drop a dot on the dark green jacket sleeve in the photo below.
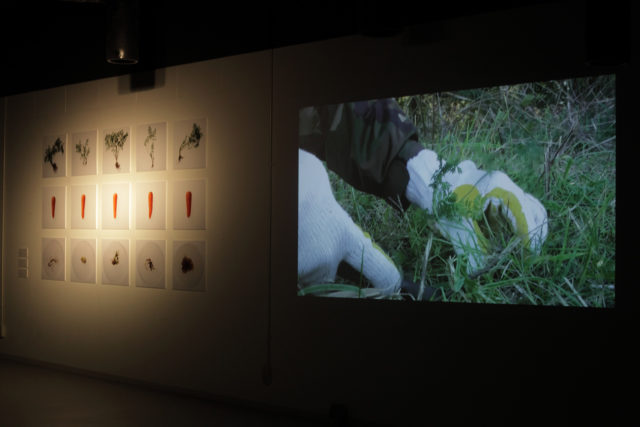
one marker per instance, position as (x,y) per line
(366,143)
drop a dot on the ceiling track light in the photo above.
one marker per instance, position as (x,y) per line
(123,31)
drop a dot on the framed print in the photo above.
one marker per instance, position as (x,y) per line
(53,259)
(54,159)
(189,265)
(189,144)
(151,147)
(150,264)
(189,205)
(116,151)
(151,199)
(83,207)
(83,260)
(115,206)
(53,207)
(83,153)
(115,262)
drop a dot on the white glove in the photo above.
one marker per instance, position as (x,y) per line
(526,215)
(327,235)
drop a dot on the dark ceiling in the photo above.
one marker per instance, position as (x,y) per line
(56,42)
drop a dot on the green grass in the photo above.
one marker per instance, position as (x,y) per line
(555,140)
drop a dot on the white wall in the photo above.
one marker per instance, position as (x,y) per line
(212,341)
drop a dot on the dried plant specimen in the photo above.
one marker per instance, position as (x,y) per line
(115,142)
(84,150)
(52,262)
(149,144)
(83,259)
(116,259)
(191,141)
(57,147)
(186,265)
(148,264)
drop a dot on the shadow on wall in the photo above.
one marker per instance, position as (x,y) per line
(141,80)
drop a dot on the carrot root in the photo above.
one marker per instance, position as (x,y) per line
(189,204)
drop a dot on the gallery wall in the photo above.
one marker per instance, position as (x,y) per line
(458,364)
(209,339)
(247,336)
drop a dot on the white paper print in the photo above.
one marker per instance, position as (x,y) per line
(189,144)
(188,265)
(53,207)
(151,147)
(115,206)
(54,156)
(151,200)
(83,260)
(150,264)
(115,262)
(116,146)
(189,203)
(83,207)
(84,153)
(53,259)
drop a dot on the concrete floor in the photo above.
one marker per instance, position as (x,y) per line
(40,396)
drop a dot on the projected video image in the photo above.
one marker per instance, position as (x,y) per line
(499,195)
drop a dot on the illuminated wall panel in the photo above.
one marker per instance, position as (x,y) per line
(106,291)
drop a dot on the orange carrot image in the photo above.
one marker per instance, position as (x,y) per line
(150,203)
(115,204)
(53,206)
(188,204)
(82,200)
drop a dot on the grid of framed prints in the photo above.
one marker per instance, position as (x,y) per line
(82,194)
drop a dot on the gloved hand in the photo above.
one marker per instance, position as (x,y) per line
(327,235)
(500,199)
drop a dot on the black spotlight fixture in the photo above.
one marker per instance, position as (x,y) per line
(123,32)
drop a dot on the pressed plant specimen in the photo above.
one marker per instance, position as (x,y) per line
(149,144)
(115,141)
(116,259)
(84,150)
(190,141)
(148,263)
(150,200)
(57,147)
(186,265)
(53,207)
